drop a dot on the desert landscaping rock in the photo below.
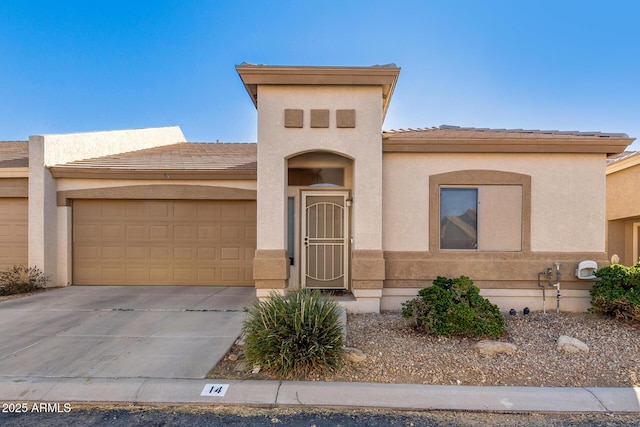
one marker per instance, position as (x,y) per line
(571,345)
(240,366)
(397,353)
(354,355)
(491,348)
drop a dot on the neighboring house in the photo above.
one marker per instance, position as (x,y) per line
(623,207)
(14,170)
(325,199)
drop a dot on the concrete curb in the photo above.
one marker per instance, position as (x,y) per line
(322,394)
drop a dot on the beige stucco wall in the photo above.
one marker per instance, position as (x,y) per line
(568,197)
(623,197)
(49,225)
(277,143)
(64,148)
(42,212)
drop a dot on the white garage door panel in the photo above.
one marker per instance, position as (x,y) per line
(14,215)
(141,242)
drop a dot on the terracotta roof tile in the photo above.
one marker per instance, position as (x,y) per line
(14,154)
(186,156)
(449,132)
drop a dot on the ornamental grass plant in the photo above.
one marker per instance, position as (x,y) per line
(294,335)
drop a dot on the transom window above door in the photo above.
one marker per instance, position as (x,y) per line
(316,176)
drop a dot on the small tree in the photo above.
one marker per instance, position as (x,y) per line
(454,307)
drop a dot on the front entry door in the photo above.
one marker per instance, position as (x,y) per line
(325,233)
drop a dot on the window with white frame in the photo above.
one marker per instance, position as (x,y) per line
(481,218)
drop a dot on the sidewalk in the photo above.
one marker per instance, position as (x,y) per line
(322,394)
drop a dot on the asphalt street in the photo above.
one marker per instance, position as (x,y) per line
(210,416)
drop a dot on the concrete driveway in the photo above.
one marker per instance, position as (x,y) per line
(120,331)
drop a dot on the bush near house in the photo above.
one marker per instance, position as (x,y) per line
(294,335)
(21,280)
(454,307)
(617,292)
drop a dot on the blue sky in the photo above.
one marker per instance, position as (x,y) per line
(76,66)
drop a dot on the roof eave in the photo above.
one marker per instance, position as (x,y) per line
(581,145)
(19,172)
(385,76)
(623,164)
(153,174)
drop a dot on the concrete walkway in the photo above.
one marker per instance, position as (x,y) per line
(151,345)
(321,394)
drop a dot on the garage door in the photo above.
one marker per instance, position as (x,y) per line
(160,242)
(13,232)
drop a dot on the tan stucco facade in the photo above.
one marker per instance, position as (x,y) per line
(623,210)
(389,184)
(406,196)
(304,112)
(362,145)
(412,253)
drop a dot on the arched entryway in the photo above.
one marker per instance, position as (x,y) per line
(319,200)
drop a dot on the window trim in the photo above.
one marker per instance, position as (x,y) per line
(477,178)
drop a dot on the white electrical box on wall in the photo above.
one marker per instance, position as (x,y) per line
(586,269)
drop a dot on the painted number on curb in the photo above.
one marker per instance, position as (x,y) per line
(214,390)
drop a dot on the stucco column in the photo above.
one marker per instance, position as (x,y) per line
(42,213)
(64,272)
(271,261)
(367,257)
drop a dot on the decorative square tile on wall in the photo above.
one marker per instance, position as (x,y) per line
(345,118)
(293,118)
(319,118)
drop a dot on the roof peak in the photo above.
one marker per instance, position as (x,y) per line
(384,76)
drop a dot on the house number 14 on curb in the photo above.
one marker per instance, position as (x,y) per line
(214,390)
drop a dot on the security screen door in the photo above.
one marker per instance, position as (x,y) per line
(325,231)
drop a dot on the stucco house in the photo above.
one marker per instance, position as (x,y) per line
(623,207)
(325,199)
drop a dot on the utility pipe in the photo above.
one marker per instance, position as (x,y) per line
(557,286)
(540,285)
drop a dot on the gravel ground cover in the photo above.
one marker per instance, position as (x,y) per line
(396,353)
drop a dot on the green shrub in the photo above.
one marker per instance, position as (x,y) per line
(617,291)
(294,335)
(454,307)
(21,280)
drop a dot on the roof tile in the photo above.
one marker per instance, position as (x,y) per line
(181,156)
(448,131)
(14,154)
